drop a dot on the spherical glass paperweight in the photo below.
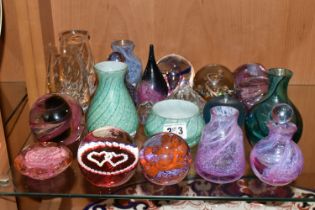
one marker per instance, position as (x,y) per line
(175,68)
(108,157)
(251,83)
(57,118)
(43,160)
(165,159)
(213,80)
(277,160)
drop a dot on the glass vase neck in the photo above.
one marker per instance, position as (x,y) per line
(111,67)
(279,80)
(152,70)
(286,130)
(74,37)
(127,45)
(224,113)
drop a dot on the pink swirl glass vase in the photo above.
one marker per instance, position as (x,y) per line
(220,157)
(277,160)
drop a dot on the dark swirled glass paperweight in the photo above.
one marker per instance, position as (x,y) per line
(57,118)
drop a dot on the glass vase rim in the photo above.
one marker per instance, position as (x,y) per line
(159,105)
(110,66)
(72,32)
(124,43)
(233,112)
(280,72)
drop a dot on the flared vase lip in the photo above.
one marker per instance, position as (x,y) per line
(110,66)
(125,43)
(280,72)
(72,32)
(224,112)
(175,109)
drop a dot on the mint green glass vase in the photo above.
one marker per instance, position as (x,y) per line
(260,114)
(112,104)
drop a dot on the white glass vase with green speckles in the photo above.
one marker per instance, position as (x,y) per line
(112,105)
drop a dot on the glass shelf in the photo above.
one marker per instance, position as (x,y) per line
(72,184)
(12,96)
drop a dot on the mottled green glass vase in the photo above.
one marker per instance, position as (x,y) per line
(260,114)
(112,105)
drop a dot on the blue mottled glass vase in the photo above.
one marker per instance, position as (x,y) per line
(126,47)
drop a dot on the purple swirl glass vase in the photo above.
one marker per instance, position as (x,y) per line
(220,156)
(277,160)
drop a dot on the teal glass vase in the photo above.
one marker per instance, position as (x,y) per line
(260,114)
(112,104)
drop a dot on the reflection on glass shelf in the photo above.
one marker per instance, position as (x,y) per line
(12,95)
(71,183)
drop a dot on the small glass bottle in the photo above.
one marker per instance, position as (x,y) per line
(277,160)
(221,157)
(151,89)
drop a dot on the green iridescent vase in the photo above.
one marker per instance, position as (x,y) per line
(112,105)
(260,114)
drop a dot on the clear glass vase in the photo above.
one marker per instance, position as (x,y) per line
(70,71)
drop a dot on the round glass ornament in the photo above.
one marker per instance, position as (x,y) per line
(57,118)
(165,159)
(43,160)
(108,157)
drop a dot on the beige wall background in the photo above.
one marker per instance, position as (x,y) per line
(275,33)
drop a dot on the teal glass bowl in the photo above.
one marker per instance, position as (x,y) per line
(176,116)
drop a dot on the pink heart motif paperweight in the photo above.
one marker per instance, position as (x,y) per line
(108,157)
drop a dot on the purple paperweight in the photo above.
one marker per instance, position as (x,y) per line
(165,159)
(277,160)
(43,160)
(220,156)
(56,118)
(250,83)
